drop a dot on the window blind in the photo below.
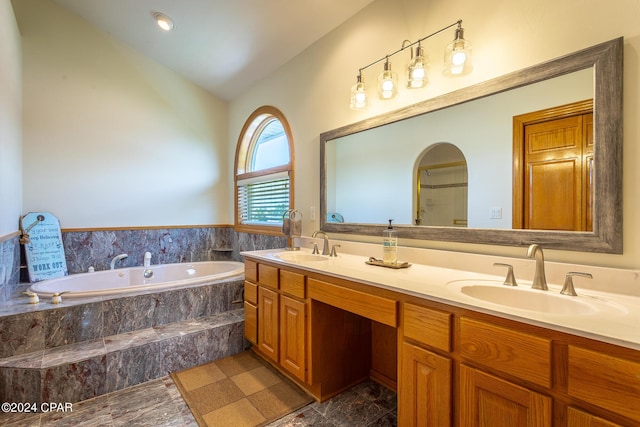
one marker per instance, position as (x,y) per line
(263,200)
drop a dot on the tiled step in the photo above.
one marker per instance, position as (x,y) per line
(92,368)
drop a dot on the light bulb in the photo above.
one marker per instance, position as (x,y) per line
(163,21)
(457,55)
(358,95)
(387,82)
(418,70)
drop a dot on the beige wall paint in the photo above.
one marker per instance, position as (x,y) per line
(10,122)
(111,138)
(312,90)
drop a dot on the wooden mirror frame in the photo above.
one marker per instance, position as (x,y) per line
(606,59)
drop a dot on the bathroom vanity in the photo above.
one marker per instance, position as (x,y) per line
(329,323)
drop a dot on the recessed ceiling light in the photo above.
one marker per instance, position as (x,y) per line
(163,21)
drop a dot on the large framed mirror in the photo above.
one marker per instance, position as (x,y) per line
(375,169)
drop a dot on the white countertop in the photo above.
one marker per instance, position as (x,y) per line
(611,317)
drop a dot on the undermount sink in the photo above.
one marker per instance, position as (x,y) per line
(525,298)
(300,257)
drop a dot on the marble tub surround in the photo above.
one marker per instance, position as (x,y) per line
(25,328)
(81,349)
(87,369)
(96,248)
(613,293)
(9,266)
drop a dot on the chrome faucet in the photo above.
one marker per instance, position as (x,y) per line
(539,279)
(147,259)
(325,247)
(116,259)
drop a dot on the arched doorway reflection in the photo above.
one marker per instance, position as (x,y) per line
(442,187)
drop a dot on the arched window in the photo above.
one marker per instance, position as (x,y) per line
(263,172)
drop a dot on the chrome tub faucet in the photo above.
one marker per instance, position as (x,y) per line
(116,259)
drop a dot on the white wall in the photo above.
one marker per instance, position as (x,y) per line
(10,122)
(312,90)
(111,138)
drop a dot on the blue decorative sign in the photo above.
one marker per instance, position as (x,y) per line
(42,241)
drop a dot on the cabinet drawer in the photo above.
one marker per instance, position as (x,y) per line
(250,292)
(268,276)
(251,270)
(428,326)
(522,355)
(607,381)
(372,307)
(293,284)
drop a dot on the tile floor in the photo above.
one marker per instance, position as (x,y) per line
(158,403)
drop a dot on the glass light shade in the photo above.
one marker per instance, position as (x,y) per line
(418,70)
(358,95)
(457,56)
(387,83)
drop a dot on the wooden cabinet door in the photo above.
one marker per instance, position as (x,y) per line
(268,323)
(251,322)
(553,168)
(488,401)
(578,418)
(293,337)
(424,393)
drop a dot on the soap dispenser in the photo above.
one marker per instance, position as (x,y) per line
(390,245)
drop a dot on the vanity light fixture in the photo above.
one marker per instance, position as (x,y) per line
(457,55)
(163,21)
(358,94)
(457,63)
(387,82)
(417,69)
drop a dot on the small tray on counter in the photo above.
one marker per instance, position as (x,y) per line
(380,263)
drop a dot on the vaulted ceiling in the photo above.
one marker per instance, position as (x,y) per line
(223,46)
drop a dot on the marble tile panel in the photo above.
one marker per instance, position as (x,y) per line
(22,333)
(20,385)
(25,361)
(176,305)
(75,381)
(131,339)
(184,351)
(71,324)
(73,353)
(16,419)
(178,401)
(306,416)
(171,245)
(95,412)
(350,408)
(226,341)
(146,405)
(223,295)
(9,266)
(195,325)
(125,367)
(129,313)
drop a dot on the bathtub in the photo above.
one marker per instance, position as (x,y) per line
(132,279)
